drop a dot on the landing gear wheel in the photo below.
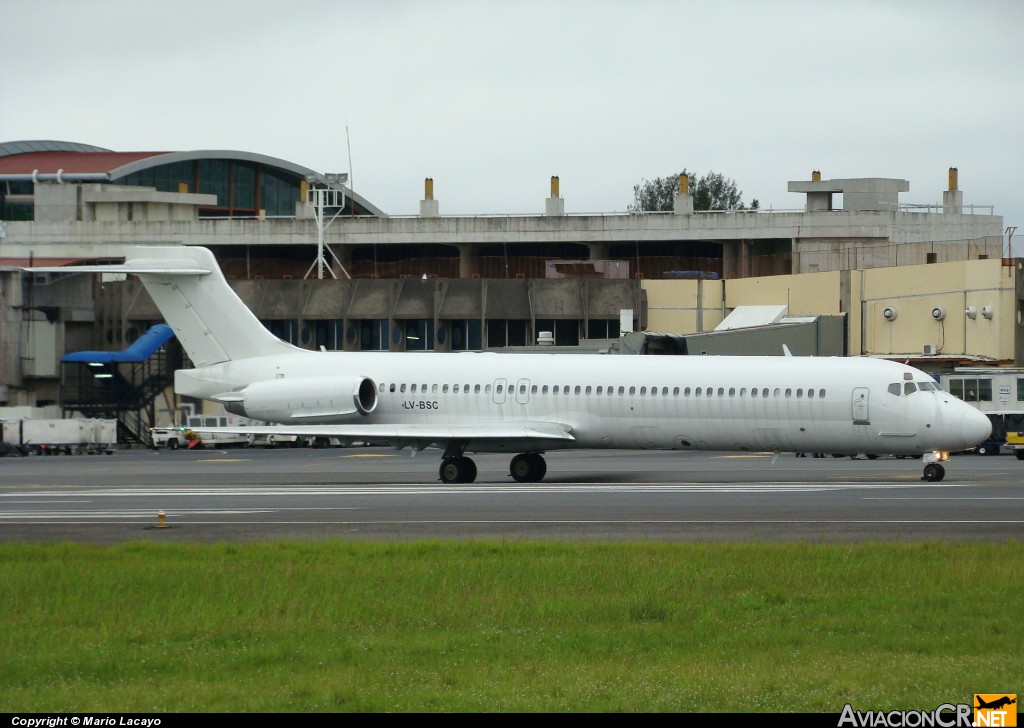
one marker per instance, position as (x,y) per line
(933,472)
(528,467)
(457,470)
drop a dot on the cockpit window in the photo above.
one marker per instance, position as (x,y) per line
(928,387)
(909,388)
(894,388)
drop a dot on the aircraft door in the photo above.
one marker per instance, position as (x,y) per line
(523,391)
(499,391)
(860,406)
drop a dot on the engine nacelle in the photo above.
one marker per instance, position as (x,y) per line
(303,400)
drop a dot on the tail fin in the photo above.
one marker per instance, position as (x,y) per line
(209,319)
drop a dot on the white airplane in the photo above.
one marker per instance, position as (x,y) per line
(528,404)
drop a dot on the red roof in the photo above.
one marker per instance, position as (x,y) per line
(70,162)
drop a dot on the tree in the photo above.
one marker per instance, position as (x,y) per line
(713,191)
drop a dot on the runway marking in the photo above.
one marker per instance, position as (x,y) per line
(948,497)
(497,489)
(49,502)
(556,522)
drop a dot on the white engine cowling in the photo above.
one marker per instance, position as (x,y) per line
(309,400)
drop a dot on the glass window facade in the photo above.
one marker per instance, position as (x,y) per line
(242,188)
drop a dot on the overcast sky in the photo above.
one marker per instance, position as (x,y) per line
(490,99)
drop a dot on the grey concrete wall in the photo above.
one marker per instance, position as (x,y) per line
(123,305)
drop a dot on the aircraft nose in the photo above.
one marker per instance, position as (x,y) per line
(976,428)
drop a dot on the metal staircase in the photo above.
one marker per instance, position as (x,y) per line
(122,385)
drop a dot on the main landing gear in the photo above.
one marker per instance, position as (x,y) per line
(527,467)
(457,469)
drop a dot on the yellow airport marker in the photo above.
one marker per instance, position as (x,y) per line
(160,518)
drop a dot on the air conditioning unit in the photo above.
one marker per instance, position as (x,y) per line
(929,349)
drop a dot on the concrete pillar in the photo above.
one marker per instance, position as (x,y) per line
(469,260)
(598,251)
(344,255)
(730,255)
(428,205)
(554,205)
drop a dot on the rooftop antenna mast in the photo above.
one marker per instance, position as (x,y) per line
(330,194)
(351,176)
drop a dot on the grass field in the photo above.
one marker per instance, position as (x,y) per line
(500,626)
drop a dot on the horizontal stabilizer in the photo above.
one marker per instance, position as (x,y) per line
(134,267)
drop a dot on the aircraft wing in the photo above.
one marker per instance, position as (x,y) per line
(417,437)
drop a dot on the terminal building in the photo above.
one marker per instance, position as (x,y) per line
(854,270)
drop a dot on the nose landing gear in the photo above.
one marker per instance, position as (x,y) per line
(933,470)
